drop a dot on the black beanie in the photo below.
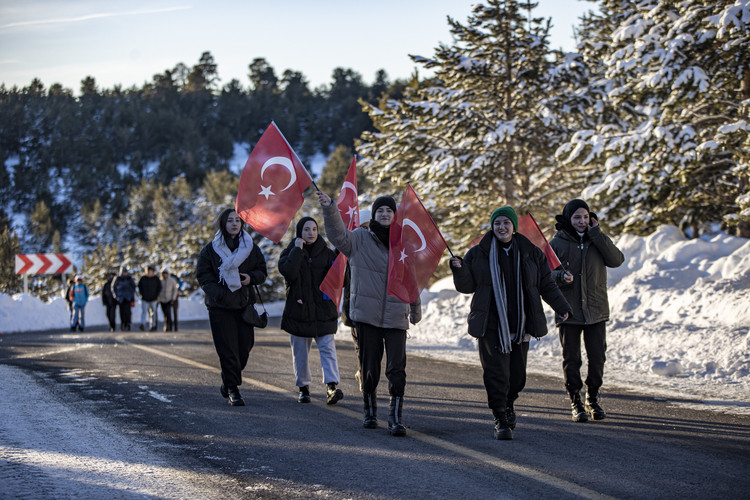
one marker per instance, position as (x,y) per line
(383,200)
(571,208)
(301,225)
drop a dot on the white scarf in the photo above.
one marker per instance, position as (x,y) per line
(229,271)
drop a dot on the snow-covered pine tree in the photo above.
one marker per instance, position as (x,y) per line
(481,133)
(667,76)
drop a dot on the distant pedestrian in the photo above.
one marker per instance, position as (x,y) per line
(80,298)
(109,301)
(124,292)
(149,287)
(381,320)
(308,313)
(227,269)
(509,276)
(167,298)
(585,253)
(69,298)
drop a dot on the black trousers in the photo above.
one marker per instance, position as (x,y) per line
(233,340)
(175,305)
(111,312)
(124,314)
(355,338)
(504,373)
(372,340)
(166,309)
(595,340)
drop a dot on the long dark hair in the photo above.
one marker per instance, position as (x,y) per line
(221,224)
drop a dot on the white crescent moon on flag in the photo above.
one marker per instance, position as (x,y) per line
(411,224)
(349,185)
(284,162)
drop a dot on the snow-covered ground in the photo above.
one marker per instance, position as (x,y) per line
(680,324)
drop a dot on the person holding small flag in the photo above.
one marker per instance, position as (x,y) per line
(309,313)
(381,320)
(227,269)
(585,253)
(509,276)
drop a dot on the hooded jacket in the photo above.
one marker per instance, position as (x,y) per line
(474,276)
(368,262)
(586,257)
(307,311)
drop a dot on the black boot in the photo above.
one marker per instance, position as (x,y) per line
(510,414)
(333,395)
(502,428)
(235,399)
(576,407)
(304,394)
(592,406)
(395,426)
(371,410)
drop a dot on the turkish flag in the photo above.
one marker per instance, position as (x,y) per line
(271,185)
(416,246)
(348,202)
(528,227)
(348,205)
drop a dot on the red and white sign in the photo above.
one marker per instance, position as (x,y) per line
(43,263)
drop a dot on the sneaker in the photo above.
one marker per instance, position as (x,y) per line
(333,394)
(304,394)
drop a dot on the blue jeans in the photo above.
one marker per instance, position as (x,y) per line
(78,310)
(328,360)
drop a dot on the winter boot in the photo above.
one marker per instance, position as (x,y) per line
(592,406)
(304,394)
(235,398)
(510,413)
(576,407)
(333,395)
(503,430)
(371,410)
(395,427)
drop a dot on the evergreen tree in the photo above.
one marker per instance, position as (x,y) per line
(676,154)
(478,135)
(10,282)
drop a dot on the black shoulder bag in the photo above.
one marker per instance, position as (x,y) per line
(250,314)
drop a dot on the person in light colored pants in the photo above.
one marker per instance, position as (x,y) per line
(328,360)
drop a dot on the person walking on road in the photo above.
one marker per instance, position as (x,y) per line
(149,287)
(586,253)
(381,320)
(308,313)
(508,276)
(109,301)
(167,298)
(80,298)
(124,292)
(227,269)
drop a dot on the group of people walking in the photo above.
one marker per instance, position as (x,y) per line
(120,291)
(506,273)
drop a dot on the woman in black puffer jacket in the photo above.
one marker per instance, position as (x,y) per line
(308,313)
(227,269)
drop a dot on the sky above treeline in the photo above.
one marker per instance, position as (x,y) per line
(129,42)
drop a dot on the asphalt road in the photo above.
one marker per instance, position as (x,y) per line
(159,392)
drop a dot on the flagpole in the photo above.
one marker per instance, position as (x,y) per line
(433,220)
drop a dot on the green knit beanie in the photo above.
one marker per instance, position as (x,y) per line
(507,212)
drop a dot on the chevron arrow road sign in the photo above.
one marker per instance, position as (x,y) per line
(43,263)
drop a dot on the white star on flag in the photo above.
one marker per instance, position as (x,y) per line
(266,191)
(403,255)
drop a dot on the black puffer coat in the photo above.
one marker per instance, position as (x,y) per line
(587,258)
(218,294)
(474,276)
(307,313)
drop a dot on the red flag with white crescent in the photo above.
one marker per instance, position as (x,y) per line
(271,185)
(348,205)
(416,246)
(528,227)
